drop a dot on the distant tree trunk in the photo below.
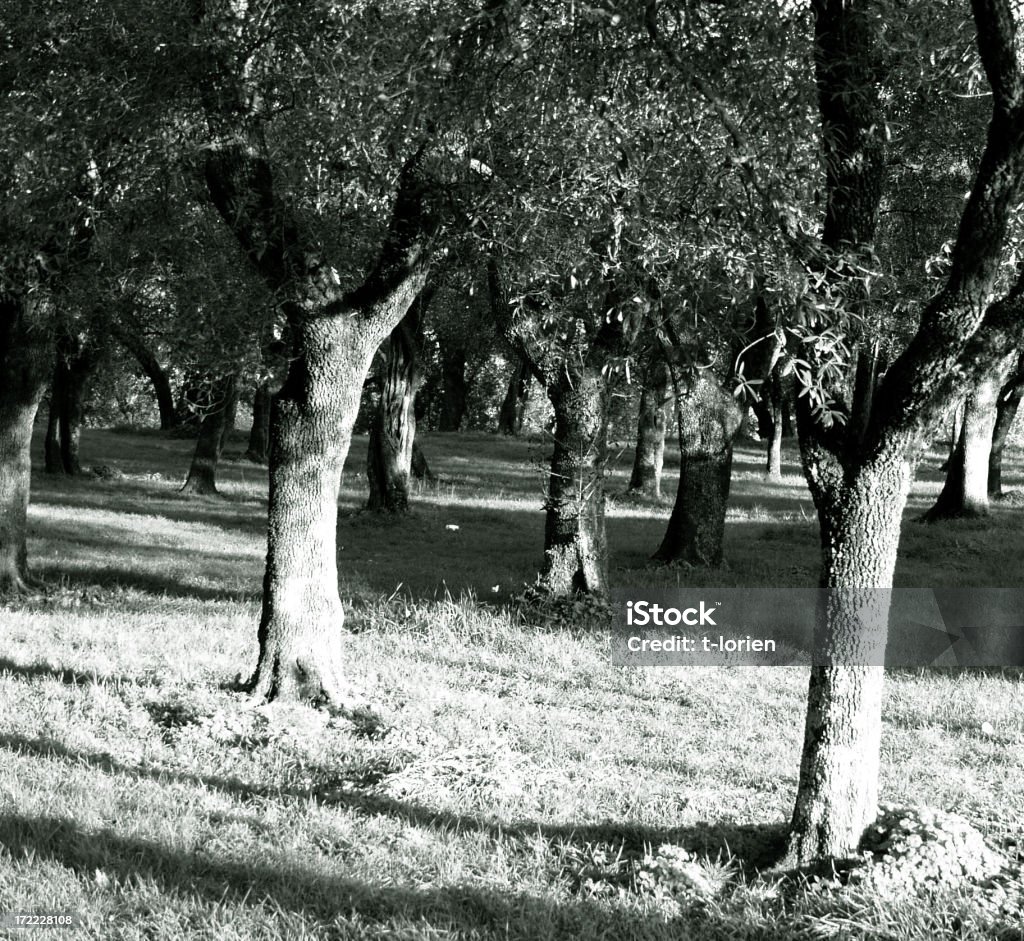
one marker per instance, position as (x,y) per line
(145,357)
(53,462)
(575,544)
(1006,411)
(73,369)
(709,418)
(776,406)
(420,468)
(454,388)
(25,367)
(965,492)
(393,429)
(202,475)
(259,434)
(513,407)
(650,434)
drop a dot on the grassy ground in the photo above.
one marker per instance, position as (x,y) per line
(525,780)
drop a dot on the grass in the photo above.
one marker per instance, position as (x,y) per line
(526,784)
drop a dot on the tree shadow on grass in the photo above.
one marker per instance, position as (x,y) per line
(112,578)
(752,847)
(323,895)
(66,675)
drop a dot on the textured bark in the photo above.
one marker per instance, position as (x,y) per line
(575,544)
(513,406)
(25,366)
(966,489)
(709,418)
(649,459)
(1006,411)
(860,487)
(393,429)
(334,334)
(145,357)
(258,449)
(454,388)
(837,794)
(865,382)
(213,428)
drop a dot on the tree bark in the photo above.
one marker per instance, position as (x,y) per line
(575,543)
(393,429)
(513,406)
(334,334)
(709,418)
(837,793)
(454,388)
(649,459)
(1006,411)
(258,449)
(860,487)
(966,489)
(25,366)
(202,475)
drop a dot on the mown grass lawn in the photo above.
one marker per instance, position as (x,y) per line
(522,775)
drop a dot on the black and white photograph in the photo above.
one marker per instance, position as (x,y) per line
(512,470)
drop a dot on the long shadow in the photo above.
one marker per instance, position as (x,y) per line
(113,577)
(752,846)
(465,910)
(66,675)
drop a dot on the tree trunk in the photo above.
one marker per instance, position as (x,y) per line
(259,435)
(837,795)
(145,357)
(1006,411)
(776,406)
(454,389)
(575,544)
(73,368)
(649,460)
(202,475)
(300,633)
(393,429)
(53,462)
(25,366)
(965,492)
(709,418)
(513,407)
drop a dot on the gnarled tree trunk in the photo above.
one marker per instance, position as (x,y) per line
(1006,411)
(25,366)
(213,429)
(837,794)
(709,418)
(454,387)
(258,449)
(649,459)
(575,544)
(966,489)
(393,429)
(145,357)
(513,406)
